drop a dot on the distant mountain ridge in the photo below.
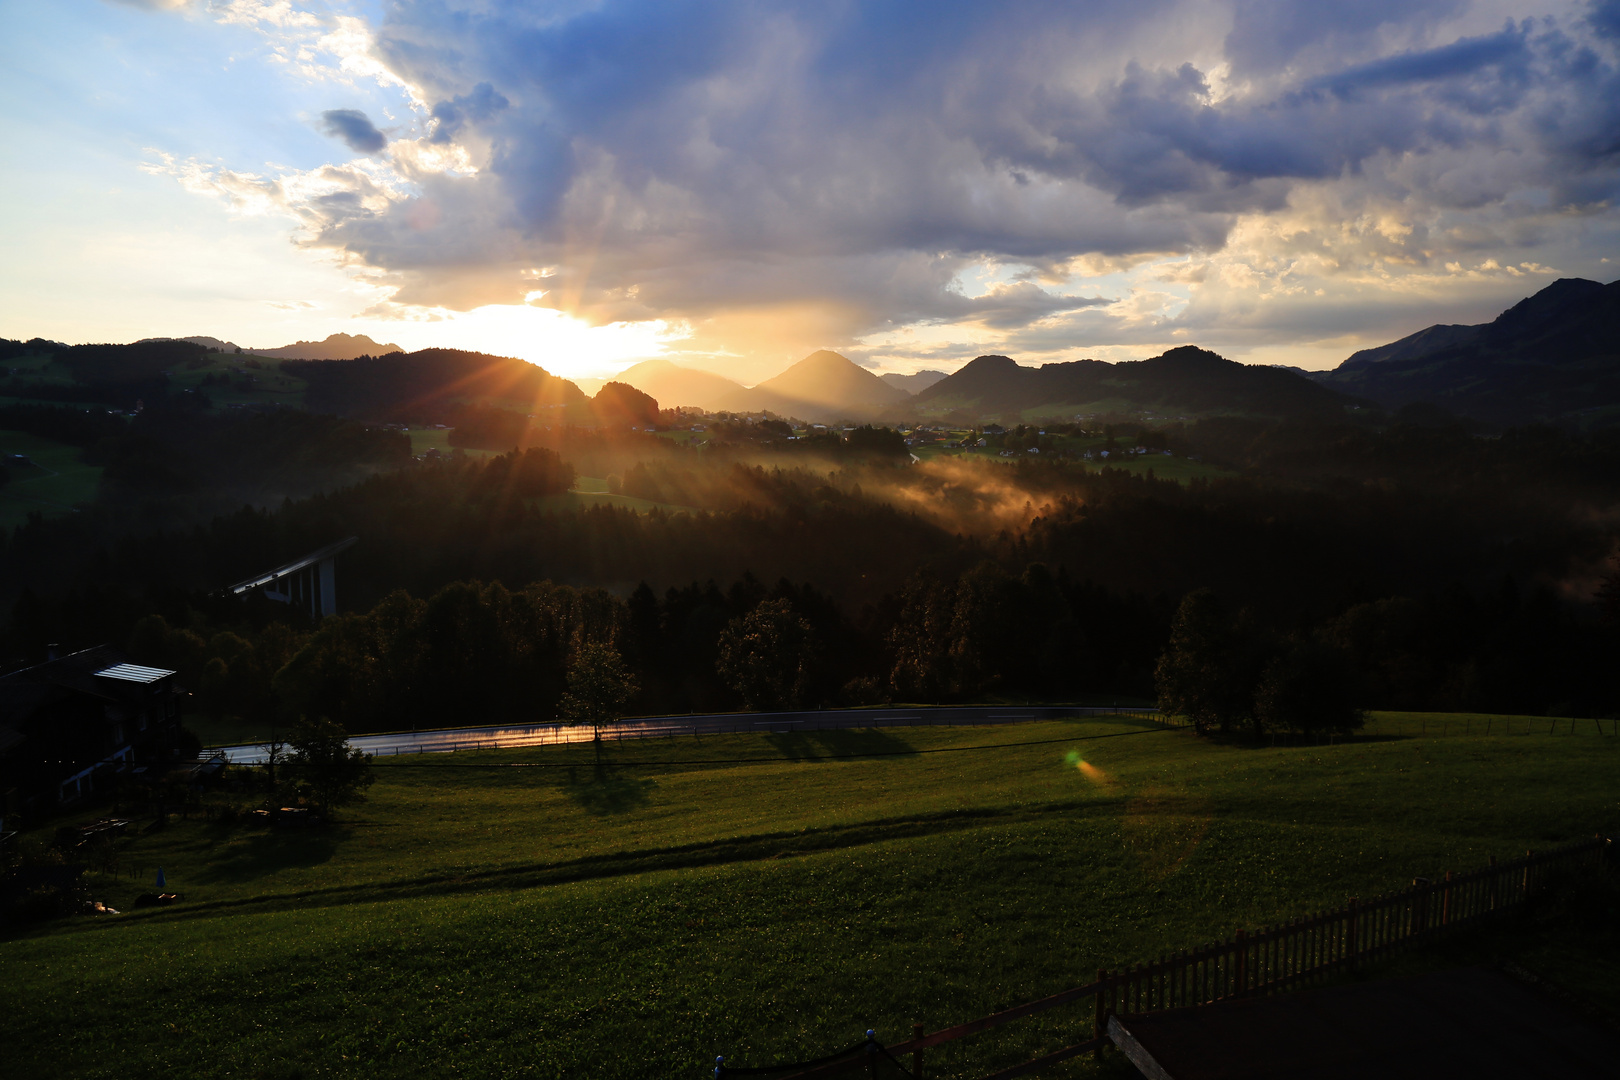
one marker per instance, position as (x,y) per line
(1186,379)
(916,382)
(213,344)
(334,347)
(674,385)
(822,386)
(1553,355)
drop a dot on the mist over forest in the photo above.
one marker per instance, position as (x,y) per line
(1411,557)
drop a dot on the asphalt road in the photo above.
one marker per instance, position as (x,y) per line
(442,740)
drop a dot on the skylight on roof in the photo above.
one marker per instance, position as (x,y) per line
(134,673)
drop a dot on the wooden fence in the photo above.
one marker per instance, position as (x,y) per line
(1274,958)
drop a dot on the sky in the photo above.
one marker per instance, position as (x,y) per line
(734,185)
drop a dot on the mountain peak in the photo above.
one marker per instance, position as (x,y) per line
(1190,355)
(828,379)
(674,385)
(334,347)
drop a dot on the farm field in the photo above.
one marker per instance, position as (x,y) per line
(766,897)
(56,483)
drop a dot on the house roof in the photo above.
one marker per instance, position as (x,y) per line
(134,673)
(101,672)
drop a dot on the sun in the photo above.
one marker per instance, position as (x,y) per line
(563,345)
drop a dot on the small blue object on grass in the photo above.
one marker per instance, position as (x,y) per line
(162,882)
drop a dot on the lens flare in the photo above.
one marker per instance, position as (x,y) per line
(1086,768)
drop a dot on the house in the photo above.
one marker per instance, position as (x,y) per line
(68,723)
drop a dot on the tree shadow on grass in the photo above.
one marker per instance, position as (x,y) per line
(837,742)
(603,789)
(260,854)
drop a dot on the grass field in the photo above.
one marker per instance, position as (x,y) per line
(424,439)
(57,483)
(758,896)
(593,491)
(234,382)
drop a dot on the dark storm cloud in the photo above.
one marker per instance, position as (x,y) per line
(669,157)
(1268,35)
(354,128)
(1604,18)
(1506,56)
(450,116)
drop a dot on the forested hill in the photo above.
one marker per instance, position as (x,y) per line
(1553,355)
(426,385)
(103,373)
(1186,380)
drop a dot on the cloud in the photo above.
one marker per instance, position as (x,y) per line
(478,106)
(355,129)
(763,174)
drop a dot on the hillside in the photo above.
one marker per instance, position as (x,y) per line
(428,384)
(822,386)
(335,347)
(675,386)
(632,922)
(1554,355)
(1186,380)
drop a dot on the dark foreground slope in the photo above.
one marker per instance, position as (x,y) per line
(1554,355)
(1186,380)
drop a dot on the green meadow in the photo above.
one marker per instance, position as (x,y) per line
(769,897)
(56,483)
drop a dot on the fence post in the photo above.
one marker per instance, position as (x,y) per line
(1242,963)
(1350,933)
(1524,888)
(1494,882)
(1445,902)
(1100,1023)
(917,1054)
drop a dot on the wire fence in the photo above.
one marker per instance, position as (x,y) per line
(1307,949)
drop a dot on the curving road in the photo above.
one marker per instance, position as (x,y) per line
(442,740)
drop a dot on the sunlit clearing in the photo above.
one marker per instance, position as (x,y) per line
(563,345)
(1086,768)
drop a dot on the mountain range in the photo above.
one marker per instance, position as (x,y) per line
(1185,380)
(675,386)
(334,347)
(1552,356)
(824,386)
(914,383)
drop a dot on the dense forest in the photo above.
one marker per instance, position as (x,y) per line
(1302,570)
(857,580)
